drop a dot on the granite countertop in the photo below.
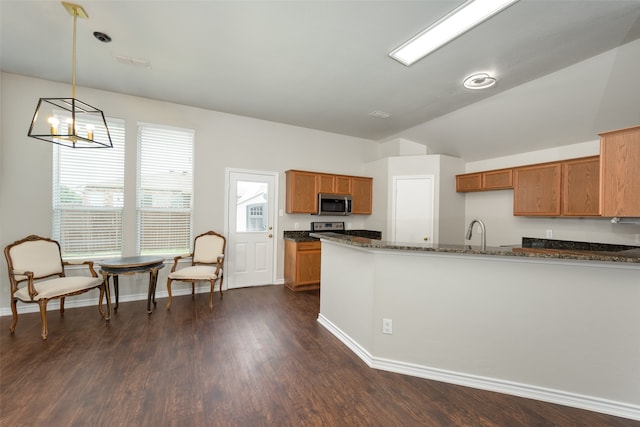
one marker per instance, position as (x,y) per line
(305,236)
(531,247)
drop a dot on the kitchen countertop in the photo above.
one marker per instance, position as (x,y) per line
(532,248)
(304,236)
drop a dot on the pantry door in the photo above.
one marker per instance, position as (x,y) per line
(251,228)
(412,209)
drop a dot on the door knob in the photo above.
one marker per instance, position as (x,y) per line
(426,238)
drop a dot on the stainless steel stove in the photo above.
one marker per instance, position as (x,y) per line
(327,227)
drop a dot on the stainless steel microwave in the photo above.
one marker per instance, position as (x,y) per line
(334,204)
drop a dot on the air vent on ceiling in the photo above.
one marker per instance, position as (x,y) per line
(136,62)
(379,114)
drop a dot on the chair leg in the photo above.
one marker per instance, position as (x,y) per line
(61,306)
(43,317)
(193,289)
(213,283)
(221,279)
(100,309)
(169,291)
(14,311)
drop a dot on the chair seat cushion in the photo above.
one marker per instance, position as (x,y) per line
(59,286)
(196,272)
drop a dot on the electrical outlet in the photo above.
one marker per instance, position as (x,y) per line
(296,225)
(549,234)
(387,326)
(638,239)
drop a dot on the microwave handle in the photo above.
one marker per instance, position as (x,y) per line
(348,201)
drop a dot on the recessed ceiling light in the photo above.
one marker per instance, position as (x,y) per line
(479,81)
(456,23)
(104,38)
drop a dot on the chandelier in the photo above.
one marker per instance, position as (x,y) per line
(69,121)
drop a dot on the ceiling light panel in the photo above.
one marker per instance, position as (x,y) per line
(456,23)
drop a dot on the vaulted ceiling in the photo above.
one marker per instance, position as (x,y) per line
(566,69)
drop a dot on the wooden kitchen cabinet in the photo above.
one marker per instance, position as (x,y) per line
(537,190)
(301,192)
(620,173)
(302,265)
(303,188)
(581,187)
(343,184)
(335,184)
(469,182)
(325,183)
(497,179)
(483,181)
(362,195)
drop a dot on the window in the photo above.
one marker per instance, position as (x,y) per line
(165,190)
(87,200)
(256,220)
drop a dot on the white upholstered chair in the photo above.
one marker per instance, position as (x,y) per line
(206,264)
(36,275)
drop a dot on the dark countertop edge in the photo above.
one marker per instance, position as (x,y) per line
(364,242)
(304,235)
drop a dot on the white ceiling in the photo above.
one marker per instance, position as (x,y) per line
(324,65)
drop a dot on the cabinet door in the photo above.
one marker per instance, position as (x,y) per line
(301,192)
(620,173)
(537,190)
(361,193)
(308,267)
(497,180)
(325,183)
(580,187)
(469,182)
(343,184)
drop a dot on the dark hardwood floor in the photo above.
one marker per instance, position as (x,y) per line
(259,359)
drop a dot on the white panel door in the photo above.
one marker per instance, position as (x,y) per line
(412,209)
(251,245)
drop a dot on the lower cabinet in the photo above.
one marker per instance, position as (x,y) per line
(302,265)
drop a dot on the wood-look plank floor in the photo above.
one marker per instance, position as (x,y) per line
(260,359)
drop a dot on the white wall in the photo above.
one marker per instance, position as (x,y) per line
(495,208)
(221,140)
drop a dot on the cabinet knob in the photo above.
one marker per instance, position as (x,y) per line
(270,235)
(426,238)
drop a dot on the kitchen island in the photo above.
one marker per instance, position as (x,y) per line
(552,325)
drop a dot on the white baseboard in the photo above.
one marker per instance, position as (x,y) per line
(560,397)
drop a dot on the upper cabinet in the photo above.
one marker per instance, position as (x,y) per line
(537,190)
(482,181)
(303,188)
(361,194)
(620,173)
(566,188)
(581,187)
(301,192)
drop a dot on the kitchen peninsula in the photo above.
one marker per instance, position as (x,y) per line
(556,325)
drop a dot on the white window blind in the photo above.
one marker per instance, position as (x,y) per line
(165,190)
(88,187)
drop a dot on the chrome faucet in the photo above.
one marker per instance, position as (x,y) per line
(482,230)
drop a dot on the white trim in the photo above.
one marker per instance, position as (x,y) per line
(619,409)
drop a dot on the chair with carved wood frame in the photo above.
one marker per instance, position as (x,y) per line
(37,275)
(207,261)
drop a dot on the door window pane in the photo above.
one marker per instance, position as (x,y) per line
(251,206)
